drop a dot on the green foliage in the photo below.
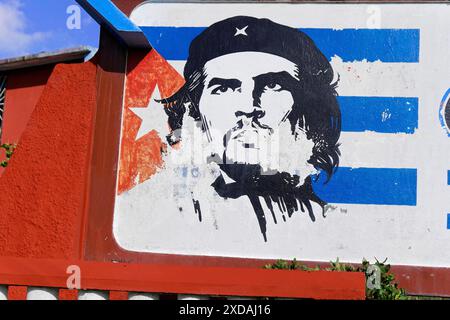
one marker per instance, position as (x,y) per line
(386,289)
(9,149)
(290,265)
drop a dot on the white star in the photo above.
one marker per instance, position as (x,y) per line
(241,31)
(153,117)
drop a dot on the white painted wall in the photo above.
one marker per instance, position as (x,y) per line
(3,293)
(146,219)
(93,295)
(142,296)
(35,293)
(192,297)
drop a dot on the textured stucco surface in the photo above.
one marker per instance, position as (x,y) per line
(43,189)
(22,95)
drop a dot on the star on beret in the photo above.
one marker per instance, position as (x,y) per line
(241,31)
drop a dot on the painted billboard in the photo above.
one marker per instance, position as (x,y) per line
(288,131)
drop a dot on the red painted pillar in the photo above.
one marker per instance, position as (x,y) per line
(67,294)
(17,293)
(118,295)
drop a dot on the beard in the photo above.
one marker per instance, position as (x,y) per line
(284,183)
(254,154)
(250,143)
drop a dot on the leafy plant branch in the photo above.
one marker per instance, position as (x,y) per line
(386,289)
(9,150)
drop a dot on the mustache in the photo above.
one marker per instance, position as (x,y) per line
(244,128)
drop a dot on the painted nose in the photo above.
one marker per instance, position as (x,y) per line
(255,114)
(245,103)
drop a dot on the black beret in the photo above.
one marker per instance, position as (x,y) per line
(242,33)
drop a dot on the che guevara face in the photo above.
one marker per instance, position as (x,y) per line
(245,103)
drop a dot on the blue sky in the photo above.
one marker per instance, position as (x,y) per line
(32,26)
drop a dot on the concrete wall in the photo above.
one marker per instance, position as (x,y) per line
(43,190)
(387,199)
(22,95)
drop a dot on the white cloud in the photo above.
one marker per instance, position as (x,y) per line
(14,40)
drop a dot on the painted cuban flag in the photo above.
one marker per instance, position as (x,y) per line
(388,196)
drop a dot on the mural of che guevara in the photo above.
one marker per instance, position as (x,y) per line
(258,89)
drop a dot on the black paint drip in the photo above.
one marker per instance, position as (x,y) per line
(197,209)
(280,188)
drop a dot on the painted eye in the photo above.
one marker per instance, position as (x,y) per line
(273,86)
(221,89)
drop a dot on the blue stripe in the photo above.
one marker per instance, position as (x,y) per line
(378,186)
(379,114)
(448,221)
(448,177)
(386,45)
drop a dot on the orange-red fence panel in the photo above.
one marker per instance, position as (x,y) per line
(218,281)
